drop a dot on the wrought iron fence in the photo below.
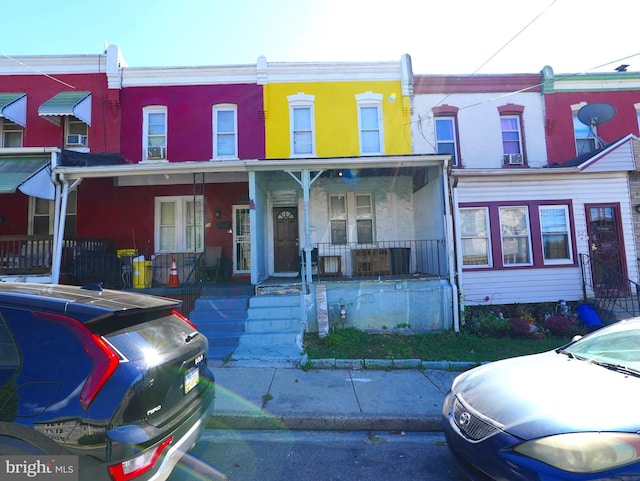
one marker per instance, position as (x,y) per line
(381,259)
(608,288)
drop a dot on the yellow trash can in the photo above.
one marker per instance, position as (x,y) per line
(142,273)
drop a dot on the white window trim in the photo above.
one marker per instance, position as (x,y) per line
(3,130)
(302,100)
(528,224)
(520,134)
(568,260)
(370,99)
(637,107)
(351,215)
(487,237)
(453,121)
(181,223)
(146,111)
(224,108)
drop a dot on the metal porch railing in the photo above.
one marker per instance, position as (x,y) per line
(611,291)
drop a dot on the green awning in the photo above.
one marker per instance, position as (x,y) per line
(13,107)
(15,171)
(76,104)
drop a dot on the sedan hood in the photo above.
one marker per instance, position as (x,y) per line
(550,393)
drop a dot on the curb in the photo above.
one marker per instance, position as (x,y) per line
(313,422)
(388,364)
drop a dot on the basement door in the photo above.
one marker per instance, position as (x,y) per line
(285,240)
(608,268)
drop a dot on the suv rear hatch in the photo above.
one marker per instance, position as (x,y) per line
(171,356)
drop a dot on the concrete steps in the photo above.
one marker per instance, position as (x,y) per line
(220,314)
(273,330)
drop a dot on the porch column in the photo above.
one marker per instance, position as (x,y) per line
(306,183)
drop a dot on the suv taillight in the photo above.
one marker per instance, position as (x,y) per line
(105,359)
(177,314)
(139,465)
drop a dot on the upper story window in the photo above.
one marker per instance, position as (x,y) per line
(512,139)
(302,125)
(11,134)
(76,134)
(584,135)
(474,231)
(637,106)
(446,132)
(154,133)
(225,131)
(370,123)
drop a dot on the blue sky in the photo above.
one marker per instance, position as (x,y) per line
(451,36)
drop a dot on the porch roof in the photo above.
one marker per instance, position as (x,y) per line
(16,171)
(190,167)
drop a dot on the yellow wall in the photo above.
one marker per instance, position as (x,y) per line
(336,117)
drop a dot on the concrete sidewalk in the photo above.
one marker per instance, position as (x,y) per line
(328,399)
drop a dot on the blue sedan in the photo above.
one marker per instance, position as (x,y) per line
(568,414)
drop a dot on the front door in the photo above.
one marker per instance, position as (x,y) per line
(285,233)
(608,268)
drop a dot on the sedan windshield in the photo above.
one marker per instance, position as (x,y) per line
(614,347)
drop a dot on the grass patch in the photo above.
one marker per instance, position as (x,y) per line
(351,343)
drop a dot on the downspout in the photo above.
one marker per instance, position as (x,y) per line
(458,241)
(60,218)
(56,258)
(450,246)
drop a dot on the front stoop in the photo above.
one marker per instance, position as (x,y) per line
(274,329)
(221,315)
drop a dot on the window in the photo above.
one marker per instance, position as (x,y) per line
(514,231)
(370,123)
(585,140)
(338,219)
(554,227)
(42,215)
(446,137)
(178,224)
(512,140)
(474,227)
(154,133)
(352,218)
(76,134)
(301,119)
(11,134)
(225,128)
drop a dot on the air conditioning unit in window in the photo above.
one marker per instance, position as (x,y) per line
(76,139)
(156,153)
(513,159)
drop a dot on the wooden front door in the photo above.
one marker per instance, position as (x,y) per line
(608,267)
(285,233)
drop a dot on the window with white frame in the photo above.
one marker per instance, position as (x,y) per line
(154,133)
(584,135)
(511,139)
(515,234)
(474,229)
(225,131)
(76,135)
(302,125)
(446,137)
(179,224)
(370,123)
(42,218)
(11,134)
(351,218)
(554,228)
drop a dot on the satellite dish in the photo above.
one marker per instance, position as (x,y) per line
(596,114)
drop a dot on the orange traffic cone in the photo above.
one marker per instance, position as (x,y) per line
(174,281)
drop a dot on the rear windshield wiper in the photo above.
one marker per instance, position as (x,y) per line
(191,336)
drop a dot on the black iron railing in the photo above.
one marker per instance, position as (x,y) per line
(607,289)
(380,259)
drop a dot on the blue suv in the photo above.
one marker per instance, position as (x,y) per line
(117,378)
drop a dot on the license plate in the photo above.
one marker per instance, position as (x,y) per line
(191,379)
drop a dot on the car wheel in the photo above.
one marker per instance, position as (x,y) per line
(17,439)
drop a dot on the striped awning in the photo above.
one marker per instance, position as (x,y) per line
(17,172)
(13,107)
(75,104)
